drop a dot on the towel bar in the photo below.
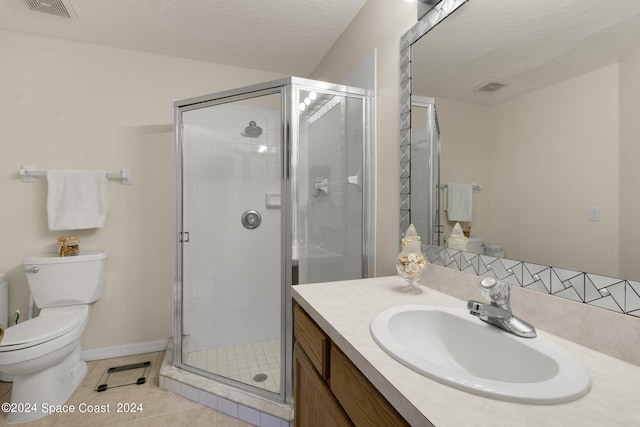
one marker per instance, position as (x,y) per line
(28,174)
(474,187)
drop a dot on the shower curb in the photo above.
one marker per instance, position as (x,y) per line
(235,403)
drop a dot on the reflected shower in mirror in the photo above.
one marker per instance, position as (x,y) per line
(537,101)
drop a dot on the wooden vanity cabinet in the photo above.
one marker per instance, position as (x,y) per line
(329,390)
(314,403)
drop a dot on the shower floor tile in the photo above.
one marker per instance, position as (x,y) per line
(248,363)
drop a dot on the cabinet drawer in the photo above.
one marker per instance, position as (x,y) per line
(359,398)
(314,342)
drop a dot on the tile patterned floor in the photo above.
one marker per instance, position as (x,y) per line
(243,363)
(159,407)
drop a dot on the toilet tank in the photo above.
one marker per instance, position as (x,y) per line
(57,281)
(476,245)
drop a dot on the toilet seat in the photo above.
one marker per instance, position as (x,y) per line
(50,324)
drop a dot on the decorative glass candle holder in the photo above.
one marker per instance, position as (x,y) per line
(411,261)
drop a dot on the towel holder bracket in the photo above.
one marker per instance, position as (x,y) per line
(24,173)
(29,172)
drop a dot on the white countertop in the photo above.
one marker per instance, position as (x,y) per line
(344,309)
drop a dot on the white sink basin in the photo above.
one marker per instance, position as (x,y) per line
(457,349)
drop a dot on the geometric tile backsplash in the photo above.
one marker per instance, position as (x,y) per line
(622,296)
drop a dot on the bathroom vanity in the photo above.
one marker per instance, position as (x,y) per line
(342,376)
(329,388)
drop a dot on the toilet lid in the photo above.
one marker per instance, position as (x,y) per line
(50,324)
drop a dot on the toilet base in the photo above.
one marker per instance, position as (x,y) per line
(42,390)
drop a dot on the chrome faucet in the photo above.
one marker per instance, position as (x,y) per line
(498,313)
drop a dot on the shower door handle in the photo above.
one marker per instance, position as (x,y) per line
(184,237)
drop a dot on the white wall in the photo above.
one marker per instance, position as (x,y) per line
(74,105)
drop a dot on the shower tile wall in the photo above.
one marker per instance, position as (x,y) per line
(227,173)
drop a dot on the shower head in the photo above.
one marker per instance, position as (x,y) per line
(253,130)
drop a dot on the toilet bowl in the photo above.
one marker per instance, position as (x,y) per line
(43,354)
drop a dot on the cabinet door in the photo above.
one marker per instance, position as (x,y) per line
(314,403)
(364,404)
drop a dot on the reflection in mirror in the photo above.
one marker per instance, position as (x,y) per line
(425,146)
(535,102)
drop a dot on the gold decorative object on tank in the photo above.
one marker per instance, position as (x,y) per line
(68,246)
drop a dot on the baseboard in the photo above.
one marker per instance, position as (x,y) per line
(124,350)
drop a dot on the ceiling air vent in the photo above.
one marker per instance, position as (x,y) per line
(54,7)
(489,87)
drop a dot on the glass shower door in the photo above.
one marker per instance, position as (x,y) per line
(231,157)
(330,154)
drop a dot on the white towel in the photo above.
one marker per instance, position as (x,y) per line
(459,202)
(77,199)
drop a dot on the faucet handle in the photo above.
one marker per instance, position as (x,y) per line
(494,290)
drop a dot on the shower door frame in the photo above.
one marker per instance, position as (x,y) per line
(288,88)
(433,233)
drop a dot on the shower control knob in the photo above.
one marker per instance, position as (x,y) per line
(251,219)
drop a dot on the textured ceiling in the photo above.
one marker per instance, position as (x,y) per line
(528,45)
(286,36)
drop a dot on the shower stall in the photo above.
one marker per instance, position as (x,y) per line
(273,187)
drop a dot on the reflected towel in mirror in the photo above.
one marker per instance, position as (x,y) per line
(459,202)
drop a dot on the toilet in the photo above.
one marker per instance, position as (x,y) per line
(476,245)
(43,354)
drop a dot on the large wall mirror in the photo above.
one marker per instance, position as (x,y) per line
(537,102)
